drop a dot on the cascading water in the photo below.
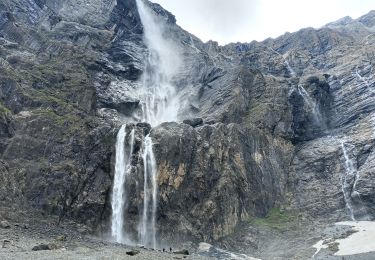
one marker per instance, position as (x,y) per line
(147,225)
(303,93)
(157,93)
(347,181)
(159,103)
(122,166)
(311,104)
(291,71)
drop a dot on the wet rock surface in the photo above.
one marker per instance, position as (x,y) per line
(263,125)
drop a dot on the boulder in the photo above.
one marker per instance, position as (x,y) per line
(194,122)
(6,242)
(4,224)
(181,252)
(50,246)
(133,252)
(41,247)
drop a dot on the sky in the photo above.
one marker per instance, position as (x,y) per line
(246,20)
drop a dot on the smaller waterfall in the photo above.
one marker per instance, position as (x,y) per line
(147,226)
(311,104)
(347,184)
(349,181)
(291,71)
(118,194)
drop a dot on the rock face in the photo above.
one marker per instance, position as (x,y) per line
(215,176)
(288,122)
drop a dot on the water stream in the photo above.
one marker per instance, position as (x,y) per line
(348,181)
(147,225)
(160,103)
(311,104)
(122,167)
(291,71)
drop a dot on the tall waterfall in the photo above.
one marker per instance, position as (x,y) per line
(122,166)
(160,103)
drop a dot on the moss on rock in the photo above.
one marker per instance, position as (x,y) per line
(4,111)
(276,219)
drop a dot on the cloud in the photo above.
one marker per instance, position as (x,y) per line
(226,18)
(246,20)
(213,19)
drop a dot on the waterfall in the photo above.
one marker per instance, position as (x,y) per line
(160,103)
(157,93)
(291,71)
(122,166)
(347,185)
(353,201)
(311,104)
(147,225)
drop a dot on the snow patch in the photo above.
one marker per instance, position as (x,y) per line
(360,242)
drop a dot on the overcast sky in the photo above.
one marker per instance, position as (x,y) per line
(246,20)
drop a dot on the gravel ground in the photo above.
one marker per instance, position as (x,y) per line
(21,231)
(17,243)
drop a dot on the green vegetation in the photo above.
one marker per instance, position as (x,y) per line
(48,97)
(4,111)
(70,123)
(276,219)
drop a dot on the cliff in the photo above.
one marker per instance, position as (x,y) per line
(284,124)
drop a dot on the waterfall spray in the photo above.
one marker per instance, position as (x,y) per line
(157,93)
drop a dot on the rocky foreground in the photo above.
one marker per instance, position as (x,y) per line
(33,236)
(28,236)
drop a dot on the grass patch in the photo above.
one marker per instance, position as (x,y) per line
(4,111)
(276,219)
(68,124)
(48,97)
